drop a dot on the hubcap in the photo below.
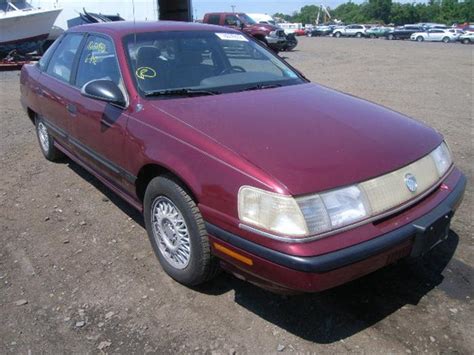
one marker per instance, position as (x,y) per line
(43,137)
(170,232)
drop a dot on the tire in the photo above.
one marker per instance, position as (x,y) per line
(390,37)
(446,39)
(372,36)
(466,41)
(420,39)
(359,35)
(46,141)
(163,193)
(337,34)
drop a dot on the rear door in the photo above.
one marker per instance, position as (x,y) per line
(98,128)
(435,35)
(55,91)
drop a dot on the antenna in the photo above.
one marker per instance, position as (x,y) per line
(233,8)
(134,25)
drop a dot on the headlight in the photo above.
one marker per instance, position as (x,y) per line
(442,158)
(334,209)
(327,212)
(271,211)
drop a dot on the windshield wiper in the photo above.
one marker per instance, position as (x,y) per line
(262,87)
(181,92)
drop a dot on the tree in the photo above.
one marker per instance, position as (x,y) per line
(379,10)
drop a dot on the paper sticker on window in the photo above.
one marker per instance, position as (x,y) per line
(231,37)
(145,73)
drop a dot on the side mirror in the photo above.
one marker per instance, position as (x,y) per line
(104,90)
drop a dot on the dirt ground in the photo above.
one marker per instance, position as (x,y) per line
(77,273)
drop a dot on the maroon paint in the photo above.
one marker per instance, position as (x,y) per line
(293,140)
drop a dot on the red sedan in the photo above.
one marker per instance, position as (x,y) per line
(236,160)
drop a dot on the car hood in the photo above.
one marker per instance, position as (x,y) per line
(308,137)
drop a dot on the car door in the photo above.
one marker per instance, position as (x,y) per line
(435,35)
(55,90)
(98,128)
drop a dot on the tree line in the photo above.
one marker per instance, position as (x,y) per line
(388,12)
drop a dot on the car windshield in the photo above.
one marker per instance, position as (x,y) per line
(203,63)
(246,19)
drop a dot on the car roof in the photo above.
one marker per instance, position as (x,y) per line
(122,28)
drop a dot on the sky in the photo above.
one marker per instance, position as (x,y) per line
(147,9)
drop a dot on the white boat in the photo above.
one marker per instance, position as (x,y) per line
(23,26)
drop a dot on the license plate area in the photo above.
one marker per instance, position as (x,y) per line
(429,233)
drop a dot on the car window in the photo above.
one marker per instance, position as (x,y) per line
(43,62)
(98,61)
(218,61)
(214,19)
(62,60)
(231,20)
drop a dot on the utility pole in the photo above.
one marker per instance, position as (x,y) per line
(233,8)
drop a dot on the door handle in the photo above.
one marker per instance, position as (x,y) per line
(71,108)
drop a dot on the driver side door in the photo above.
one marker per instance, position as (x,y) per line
(98,128)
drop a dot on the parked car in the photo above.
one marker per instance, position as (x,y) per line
(376,32)
(319,31)
(466,38)
(434,35)
(350,31)
(270,35)
(291,42)
(213,137)
(403,32)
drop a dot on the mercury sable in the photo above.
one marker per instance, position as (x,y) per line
(236,160)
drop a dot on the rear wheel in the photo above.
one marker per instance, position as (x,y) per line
(466,41)
(358,35)
(390,37)
(372,36)
(420,39)
(445,39)
(46,141)
(337,34)
(177,232)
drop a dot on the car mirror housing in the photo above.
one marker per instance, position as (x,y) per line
(104,90)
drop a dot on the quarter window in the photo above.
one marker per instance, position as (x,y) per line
(98,61)
(62,60)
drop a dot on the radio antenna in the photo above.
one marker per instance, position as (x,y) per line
(134,24)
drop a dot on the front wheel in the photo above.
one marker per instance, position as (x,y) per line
(177,232)
(372,36)
(466,41)
(359,35)
(337,34)
(390,37)
(420,39)
(46,141)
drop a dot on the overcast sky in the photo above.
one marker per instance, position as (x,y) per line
(146,9)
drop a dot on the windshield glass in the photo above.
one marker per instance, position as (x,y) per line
(220,62)
(246,19)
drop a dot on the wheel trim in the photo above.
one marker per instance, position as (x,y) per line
(170,232)
(43,136)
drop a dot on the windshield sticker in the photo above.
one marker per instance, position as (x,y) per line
(145,73)
(231,37)
(91,59)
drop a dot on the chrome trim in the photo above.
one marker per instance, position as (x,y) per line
(351,226)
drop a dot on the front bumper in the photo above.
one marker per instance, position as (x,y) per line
(277,43)
(316,273)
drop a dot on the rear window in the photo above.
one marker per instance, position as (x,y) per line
(213,19)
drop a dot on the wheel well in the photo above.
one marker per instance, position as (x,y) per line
(31,115)
(149,172)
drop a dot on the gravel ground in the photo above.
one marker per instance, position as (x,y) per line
(77,273)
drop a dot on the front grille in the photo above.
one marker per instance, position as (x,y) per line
(280,33)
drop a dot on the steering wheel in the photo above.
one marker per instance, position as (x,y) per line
(232,69)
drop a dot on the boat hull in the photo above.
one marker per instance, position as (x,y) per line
(24,30)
